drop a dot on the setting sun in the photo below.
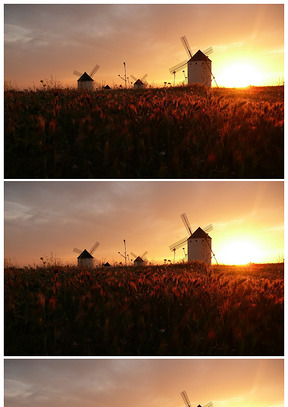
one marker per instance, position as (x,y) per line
(240,74)
(240,252)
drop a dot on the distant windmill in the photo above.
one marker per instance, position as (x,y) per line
(199,243)
(199,66)
(139,83)
(139,260)
(187,401)
(85,258)
(85,81)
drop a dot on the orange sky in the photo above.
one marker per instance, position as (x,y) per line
(144,383)
(54,40)
(54,217)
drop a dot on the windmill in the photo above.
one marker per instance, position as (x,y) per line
(85,81)
(199,243)
(85,258)
(187,401)
(199,66)
(139,83)
(139,260)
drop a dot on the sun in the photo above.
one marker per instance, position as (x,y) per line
(240,75)
(240,252)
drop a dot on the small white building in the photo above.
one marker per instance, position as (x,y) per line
(85,259)
(139,84)
(139,262)
(85,82)
(199,69)
(200,247)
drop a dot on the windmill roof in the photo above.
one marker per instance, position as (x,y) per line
(139,82)
(199,56)
(85,77)
(199,233)
(85,255)
(138,259)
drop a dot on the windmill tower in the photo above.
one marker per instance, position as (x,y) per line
(85,258)
(199,66)
(199,243)
(85,81)
(139,83)
(139,260)
(187,401)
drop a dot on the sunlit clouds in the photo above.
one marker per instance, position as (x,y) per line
(53,40)
(54,217)
(143,382)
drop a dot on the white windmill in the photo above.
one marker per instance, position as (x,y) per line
(199,243)
(139,83)
(187,401)
(199,66)
(85,258)
(85,81)
(139,260)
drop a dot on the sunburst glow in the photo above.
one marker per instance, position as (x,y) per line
(240,74)
(240,252)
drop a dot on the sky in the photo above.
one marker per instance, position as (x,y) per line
(49,219)
(143,383)
(50,41)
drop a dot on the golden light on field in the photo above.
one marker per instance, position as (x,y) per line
(240,252)
(240,74)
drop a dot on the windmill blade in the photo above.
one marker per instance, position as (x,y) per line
(94,70)
(186,223)
(77,73)
(144,77)
(186,46)
(210,404)
(94,247)
(133,77)
(208,51)
(213,254)
(177,67)
(77,250)
(212,74)
(134,255)
(185,398)
(208,228)
(143,255)
(178,244)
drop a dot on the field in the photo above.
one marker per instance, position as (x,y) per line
(184,309)
(178,132)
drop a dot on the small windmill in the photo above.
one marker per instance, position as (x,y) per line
(85,81)
(187,401)
(199,66)
(139,83)
(139,260)
(199,243)
(85,258)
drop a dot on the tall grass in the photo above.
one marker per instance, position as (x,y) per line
(173,310)
(182,132)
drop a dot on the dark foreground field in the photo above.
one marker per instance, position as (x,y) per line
(173,310)
(181,132)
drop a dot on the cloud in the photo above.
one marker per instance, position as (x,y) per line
(56,39)
(123,382)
